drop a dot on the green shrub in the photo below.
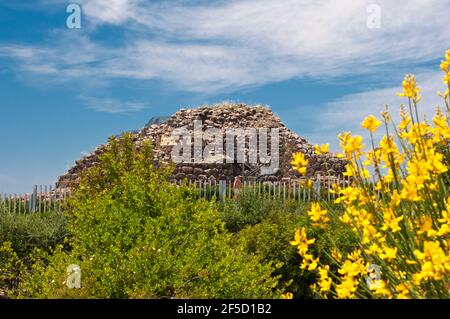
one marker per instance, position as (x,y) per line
(247,209)
(11,268)
(270,239)
(135,235)
(26,232)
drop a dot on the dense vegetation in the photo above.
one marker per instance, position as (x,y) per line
(136,235)
(133,234)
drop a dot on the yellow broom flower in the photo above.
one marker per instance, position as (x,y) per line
(322,149)
(317,215)
(410,88)
(370,123)
(299,162)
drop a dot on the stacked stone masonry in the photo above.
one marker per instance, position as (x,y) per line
(223,117)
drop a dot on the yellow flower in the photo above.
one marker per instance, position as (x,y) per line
(365,173)
(426,226)
(434,262)
(370,123)
(444,230)
(351,145)
(445,220)
(317,215)
(309,262)
(352,269)
(411,262)
(445,94)
(380,289)
(347,288)
(299,162)
(322,149)
(346,219)
(301,241)
(390,154)
(390,221)
(445,65)
(403,290)
(447,78)
(287,295)
(350,170)
(405,122)
(388,253)
(395,199)
(410,88)
(374,249)
(349,195)
(373,158)
(410,190)
(442,130)
(336,255)
(355,256)
(325,280)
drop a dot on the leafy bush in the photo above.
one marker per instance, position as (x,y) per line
(246,209)
(270,238)
(136,235)
(11,268)
(26,232)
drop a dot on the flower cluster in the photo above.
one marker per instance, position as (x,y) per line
(299,163)
(310,263)
(410,88)
(317,215)
(322,149)
(445,66)
(397,203)
(371,123)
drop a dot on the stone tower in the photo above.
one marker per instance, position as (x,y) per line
(224,117)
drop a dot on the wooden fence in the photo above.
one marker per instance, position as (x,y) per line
(42,199)
(48,198)
(298,190)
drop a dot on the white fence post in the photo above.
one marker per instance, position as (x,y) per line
(222,190)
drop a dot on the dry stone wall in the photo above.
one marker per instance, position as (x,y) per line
(223,117)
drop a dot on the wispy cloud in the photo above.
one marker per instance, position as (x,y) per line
(111,105)
(111,11)
(226,45)
(346,113)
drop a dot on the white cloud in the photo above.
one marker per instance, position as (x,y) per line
(227,45)
(109,105)
(331,34)
(346,113)
(66,58)
(110,11)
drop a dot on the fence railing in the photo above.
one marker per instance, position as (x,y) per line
(48,198)
(299,190)
(42,199)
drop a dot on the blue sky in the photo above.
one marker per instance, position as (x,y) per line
(317,64)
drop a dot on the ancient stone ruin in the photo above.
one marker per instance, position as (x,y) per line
(224,117)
